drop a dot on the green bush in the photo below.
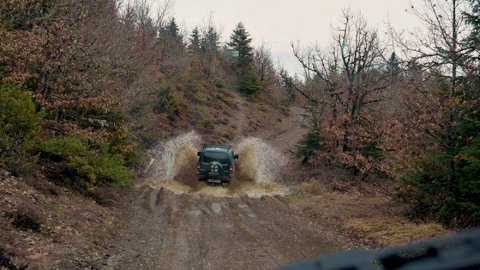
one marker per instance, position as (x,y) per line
(64,147)
(94,162)
(250,84)
(111,168)
(167,102)
(82,167)
(167,98)
(206,119)
(310,143)
(446,184)
(19,127)
(220,84)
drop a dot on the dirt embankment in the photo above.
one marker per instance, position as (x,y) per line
(46,226)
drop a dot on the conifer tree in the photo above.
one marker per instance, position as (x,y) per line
(172,28)
(194,41)
(473,18)
(240,43)
(393,66)
(448,180)
(210,42)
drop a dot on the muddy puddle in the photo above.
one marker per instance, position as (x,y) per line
(173,167)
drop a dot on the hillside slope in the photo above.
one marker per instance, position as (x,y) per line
(49,226)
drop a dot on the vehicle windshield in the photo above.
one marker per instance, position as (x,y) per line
(209,156)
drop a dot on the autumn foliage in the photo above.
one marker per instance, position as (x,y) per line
(118,76)
(411,116)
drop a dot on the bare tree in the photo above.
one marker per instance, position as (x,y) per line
(263,65)
(438,46)
(348,78)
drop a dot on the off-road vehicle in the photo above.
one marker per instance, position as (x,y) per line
(216,164)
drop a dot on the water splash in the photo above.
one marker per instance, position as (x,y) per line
(167,158)
(173,167)
(259,161)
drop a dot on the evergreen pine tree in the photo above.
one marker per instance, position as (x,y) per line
(473,18)
(210,42)
(212,39)
(209,49)
(392,64)
(448,181)
(311,142)
(249,82)
(194,41)
(172,28)
(240,43)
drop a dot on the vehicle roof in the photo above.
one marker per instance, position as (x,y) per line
(217,149)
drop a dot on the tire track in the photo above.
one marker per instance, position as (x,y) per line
(289,233)
(168,250)
(251,233)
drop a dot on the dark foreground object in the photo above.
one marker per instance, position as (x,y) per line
(460,251)
(7,263)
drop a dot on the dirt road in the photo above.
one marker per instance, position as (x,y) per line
(202,230)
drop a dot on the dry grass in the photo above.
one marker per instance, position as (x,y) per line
(312,188)
(388,231)
(362,211)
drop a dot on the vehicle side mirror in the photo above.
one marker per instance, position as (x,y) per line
(235,156)
(199,153)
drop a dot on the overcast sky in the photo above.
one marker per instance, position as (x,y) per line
(277,23)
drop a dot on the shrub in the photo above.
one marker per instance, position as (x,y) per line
(124,143)
(82,167)
(446,184)
(220,84)
(93,162)
(19,127)
(250,84)
(227,100)
(310,143)
(64,147)
(111,169)
(167,100)
(206,119)
(25,218)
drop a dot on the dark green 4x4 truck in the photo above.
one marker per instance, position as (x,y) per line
(216,164)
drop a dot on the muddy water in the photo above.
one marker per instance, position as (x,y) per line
(167,157)
(173,167)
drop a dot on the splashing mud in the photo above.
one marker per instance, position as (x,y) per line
(168,158)
(173,167)
(259,161)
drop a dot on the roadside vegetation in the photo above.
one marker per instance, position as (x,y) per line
(407,112)
(86,86)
